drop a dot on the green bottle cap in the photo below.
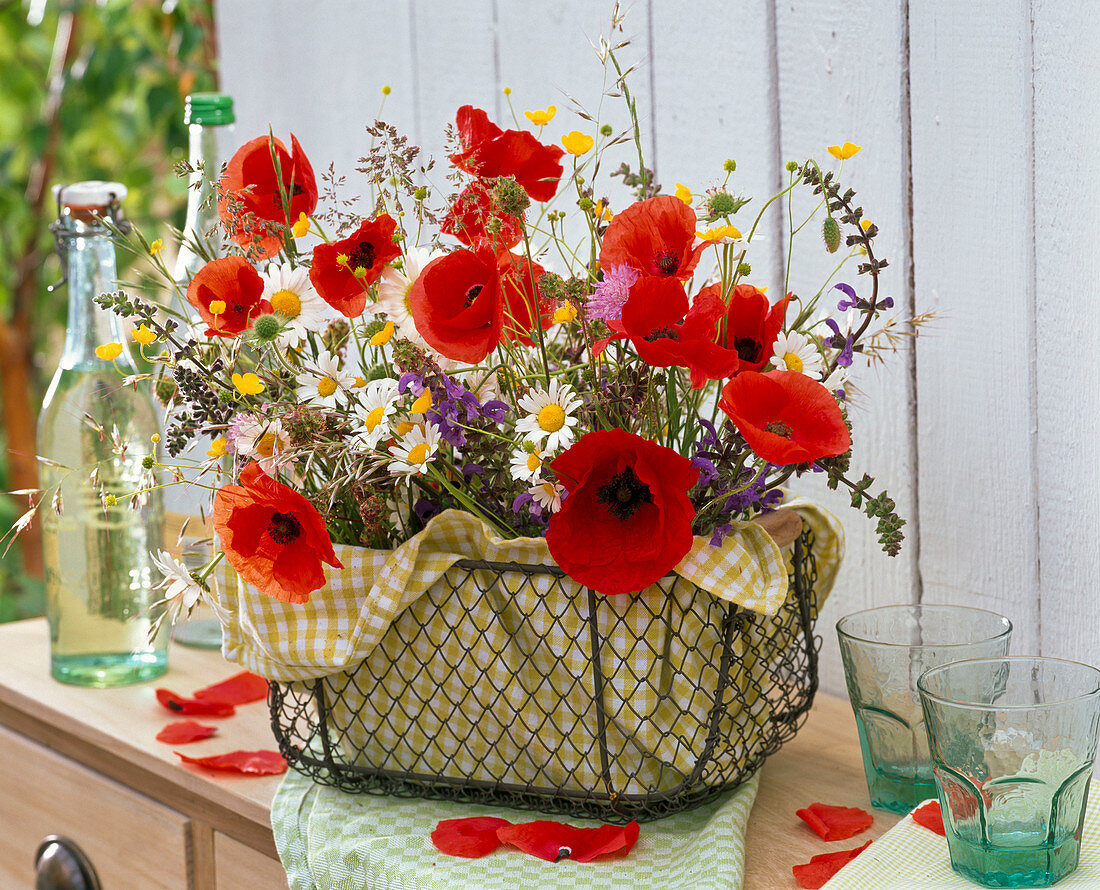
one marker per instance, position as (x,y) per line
(211,109)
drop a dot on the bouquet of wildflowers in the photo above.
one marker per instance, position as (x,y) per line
(509,343)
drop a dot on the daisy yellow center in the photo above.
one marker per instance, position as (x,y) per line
(374,418)
(548,487)
(326,386)
(287,303)
(418,454)
(533,462)
(265,445)
(551,418)
(405,427)
(408,299)
(792,361)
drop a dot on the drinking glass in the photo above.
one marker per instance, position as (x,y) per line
(1012,743)
(884,651)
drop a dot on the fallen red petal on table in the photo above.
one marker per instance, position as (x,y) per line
(253,763)
(930,816)
(821,868)
(183,731)
(554,841)
(472,838)
(240,689)
(177,704)
(835,823)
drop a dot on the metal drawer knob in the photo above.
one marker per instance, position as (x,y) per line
(60,864)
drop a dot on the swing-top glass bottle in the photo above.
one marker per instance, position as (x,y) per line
(95,432)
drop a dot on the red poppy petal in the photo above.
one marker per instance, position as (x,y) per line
(177,704)
(240,689)
(183,731)
(813,874)
(252,763)
(554,841)
(930,816)
(472,838)
(835,823)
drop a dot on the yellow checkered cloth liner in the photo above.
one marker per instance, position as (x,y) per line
(910,857)
(504,664)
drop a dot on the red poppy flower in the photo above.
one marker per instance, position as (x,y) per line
(786,417)
(183,732)
(272,536)
(471,837)
(655,236)
(519,286)
(752,325)
(253,763)
(666,333)
(470,214)
(342,270)
(554,841)
(627,519)
(832,823)
(240,689)
(177,704)
(488,152)
(930,816)
(251,205)
(233,282)
(821,868)
(457,304)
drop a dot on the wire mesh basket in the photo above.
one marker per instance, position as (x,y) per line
(614,708)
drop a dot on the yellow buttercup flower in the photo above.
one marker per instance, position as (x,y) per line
(301,225)
(723,234)
(577,143)
(156,247)
(541,118)
(565,313)
(423,403)
(865,224)
(142,334)
(248,384)
(601,212)
(383,336)
(109,351)
(845,151)
(217,448)
(683,193)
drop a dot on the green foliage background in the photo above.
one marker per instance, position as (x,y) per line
(120,117)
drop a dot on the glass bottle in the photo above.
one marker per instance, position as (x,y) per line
(95,432)
(209,118)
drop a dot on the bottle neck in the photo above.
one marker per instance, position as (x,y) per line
(90,258)
(202,225)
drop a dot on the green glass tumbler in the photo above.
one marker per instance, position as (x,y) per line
(884,651)
(1012,742)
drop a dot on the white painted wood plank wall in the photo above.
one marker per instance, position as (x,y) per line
(980,136)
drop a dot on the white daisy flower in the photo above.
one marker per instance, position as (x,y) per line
(550,415)
(796,352)
(837,380)
(415,450)
(181,591)
(293,298)
(527,466)
(377,403)
(547,495)
(393,292)
(324,383)
(265,441)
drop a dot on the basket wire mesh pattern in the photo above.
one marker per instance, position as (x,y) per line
(643,713)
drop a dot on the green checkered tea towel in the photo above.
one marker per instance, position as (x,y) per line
(329,840)
(910,857)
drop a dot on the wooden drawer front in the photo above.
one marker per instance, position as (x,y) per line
(132,841)
(241,868)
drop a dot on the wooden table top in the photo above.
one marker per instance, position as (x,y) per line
(112,731)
